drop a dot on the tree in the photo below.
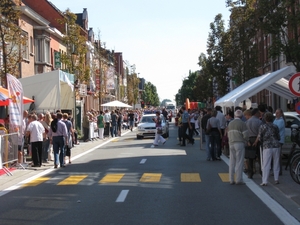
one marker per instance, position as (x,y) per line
(13,42)
(241,50)
(132,88)
(187,89)
(75,58)
(281,19)
(216,61)
(150,94)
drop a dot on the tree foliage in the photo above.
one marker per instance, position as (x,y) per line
(150,94)
(281,19)
(13,42)
(132,88)
(75,57)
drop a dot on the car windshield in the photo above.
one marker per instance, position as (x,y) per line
(147,119)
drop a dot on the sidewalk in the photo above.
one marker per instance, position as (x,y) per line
(19,174)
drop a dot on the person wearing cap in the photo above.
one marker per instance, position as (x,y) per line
(238,137)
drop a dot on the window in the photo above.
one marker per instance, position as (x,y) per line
(24,46)
(42,49)
(31,45)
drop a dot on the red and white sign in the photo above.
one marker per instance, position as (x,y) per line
(297,107)
(294,84)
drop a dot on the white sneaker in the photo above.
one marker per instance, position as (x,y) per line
(152,146)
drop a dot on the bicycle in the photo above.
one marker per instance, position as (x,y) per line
(294,156)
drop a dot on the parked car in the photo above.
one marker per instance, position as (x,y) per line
(290,118)
(146,127)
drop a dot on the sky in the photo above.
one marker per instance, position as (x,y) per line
(163,39)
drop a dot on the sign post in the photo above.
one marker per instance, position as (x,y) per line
(57,61)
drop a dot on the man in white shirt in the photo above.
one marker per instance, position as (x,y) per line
(36,130)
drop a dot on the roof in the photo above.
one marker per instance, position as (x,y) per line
(274,82)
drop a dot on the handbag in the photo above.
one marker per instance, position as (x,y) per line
(159,130)
(250,152)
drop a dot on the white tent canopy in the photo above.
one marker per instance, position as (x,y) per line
(274,82)
(51,91)
(116,104)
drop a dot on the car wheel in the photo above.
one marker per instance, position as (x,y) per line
(168,134)
(164,135)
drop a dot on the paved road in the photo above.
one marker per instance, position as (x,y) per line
(191,185)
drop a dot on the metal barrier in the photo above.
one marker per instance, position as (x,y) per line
(8,150)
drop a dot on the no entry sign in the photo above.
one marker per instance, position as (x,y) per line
(294,84)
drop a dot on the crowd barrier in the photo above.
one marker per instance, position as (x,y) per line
(9,149)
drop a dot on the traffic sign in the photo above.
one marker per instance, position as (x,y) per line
(294,84)
(297,107)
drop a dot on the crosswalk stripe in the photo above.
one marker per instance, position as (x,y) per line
(190,177)
(112,178)
(151,177)
(36,182)
(115,178)
(72,180)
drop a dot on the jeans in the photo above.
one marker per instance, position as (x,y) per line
(215,147)
(184,128)
(113,130)
(179,134)
(59,150)
(207,146)
(46,145)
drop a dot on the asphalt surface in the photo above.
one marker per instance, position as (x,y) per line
(286,193)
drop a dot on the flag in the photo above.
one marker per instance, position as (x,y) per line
(110,81)
(15,91)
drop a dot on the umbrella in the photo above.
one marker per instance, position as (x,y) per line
(116,104)
(4,99)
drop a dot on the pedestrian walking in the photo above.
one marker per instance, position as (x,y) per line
(158,138)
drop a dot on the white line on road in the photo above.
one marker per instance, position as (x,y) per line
(274,206)
(143,161)
(122,196)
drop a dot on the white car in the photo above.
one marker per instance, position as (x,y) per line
(146,126)
(290,118)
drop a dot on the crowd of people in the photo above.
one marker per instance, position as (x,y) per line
(255,130)
(46,132)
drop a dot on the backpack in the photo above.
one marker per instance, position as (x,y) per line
(54,125)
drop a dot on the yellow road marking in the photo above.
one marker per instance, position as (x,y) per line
(112,178)
(151,177)
(72,180)
(190,177)
(224,177)
(36,182)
